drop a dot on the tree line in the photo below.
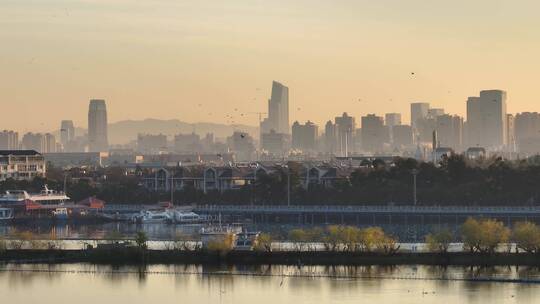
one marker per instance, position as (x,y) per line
(478,236)
(455,180)
(482,236)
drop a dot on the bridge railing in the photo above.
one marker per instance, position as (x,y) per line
(366,208)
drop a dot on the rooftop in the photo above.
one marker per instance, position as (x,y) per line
(19,152)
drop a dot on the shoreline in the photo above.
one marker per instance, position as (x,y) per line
(137,256)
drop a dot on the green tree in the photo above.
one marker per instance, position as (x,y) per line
(141,240)
(439,241)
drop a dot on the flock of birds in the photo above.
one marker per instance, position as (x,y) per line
(231,119)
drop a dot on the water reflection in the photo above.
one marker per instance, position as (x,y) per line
(264,284)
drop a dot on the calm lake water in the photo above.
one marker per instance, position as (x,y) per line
(82,283)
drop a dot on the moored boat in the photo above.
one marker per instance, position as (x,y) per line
(153,217)
(182,217)
(61,214)
(45,197)
(6,214)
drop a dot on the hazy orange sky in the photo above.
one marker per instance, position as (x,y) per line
(162,58)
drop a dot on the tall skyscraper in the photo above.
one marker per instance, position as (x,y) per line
(9,140)
(48,143)
(304,137)
(97,126)
(373,133)
(510,133)
(450,131)
(434,112)
(33,141)
(278,110)
(527,132)
(402,137)
(67,132)
(392,119)
(346,129)
(418,110)
(486,120)
(330,138)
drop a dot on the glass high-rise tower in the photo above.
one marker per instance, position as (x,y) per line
(278,110)
(97,126)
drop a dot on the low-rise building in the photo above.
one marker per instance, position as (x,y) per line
(21,164)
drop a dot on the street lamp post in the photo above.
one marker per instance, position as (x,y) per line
(414,173)
(288,186)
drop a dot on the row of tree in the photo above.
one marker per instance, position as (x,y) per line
(487,235)
(477,236)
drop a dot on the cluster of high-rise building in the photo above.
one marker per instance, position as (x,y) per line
(95,140)
(487,126)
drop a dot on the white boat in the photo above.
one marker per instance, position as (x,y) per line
(246,241)
(6,214)
(154,217)
(182,217)
(61,214)
(45,197)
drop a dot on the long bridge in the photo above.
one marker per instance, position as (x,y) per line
(373,215)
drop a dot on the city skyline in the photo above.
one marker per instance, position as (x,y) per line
(284,151)
(331,56)
(404,116)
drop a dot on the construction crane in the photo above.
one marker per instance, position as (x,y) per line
(260,115)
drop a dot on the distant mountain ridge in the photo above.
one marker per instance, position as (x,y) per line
(124,131)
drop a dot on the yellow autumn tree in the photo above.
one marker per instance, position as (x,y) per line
(527,236)
(483,236)
(439,241)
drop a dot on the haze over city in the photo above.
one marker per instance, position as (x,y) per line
(198,60)
(278,151)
